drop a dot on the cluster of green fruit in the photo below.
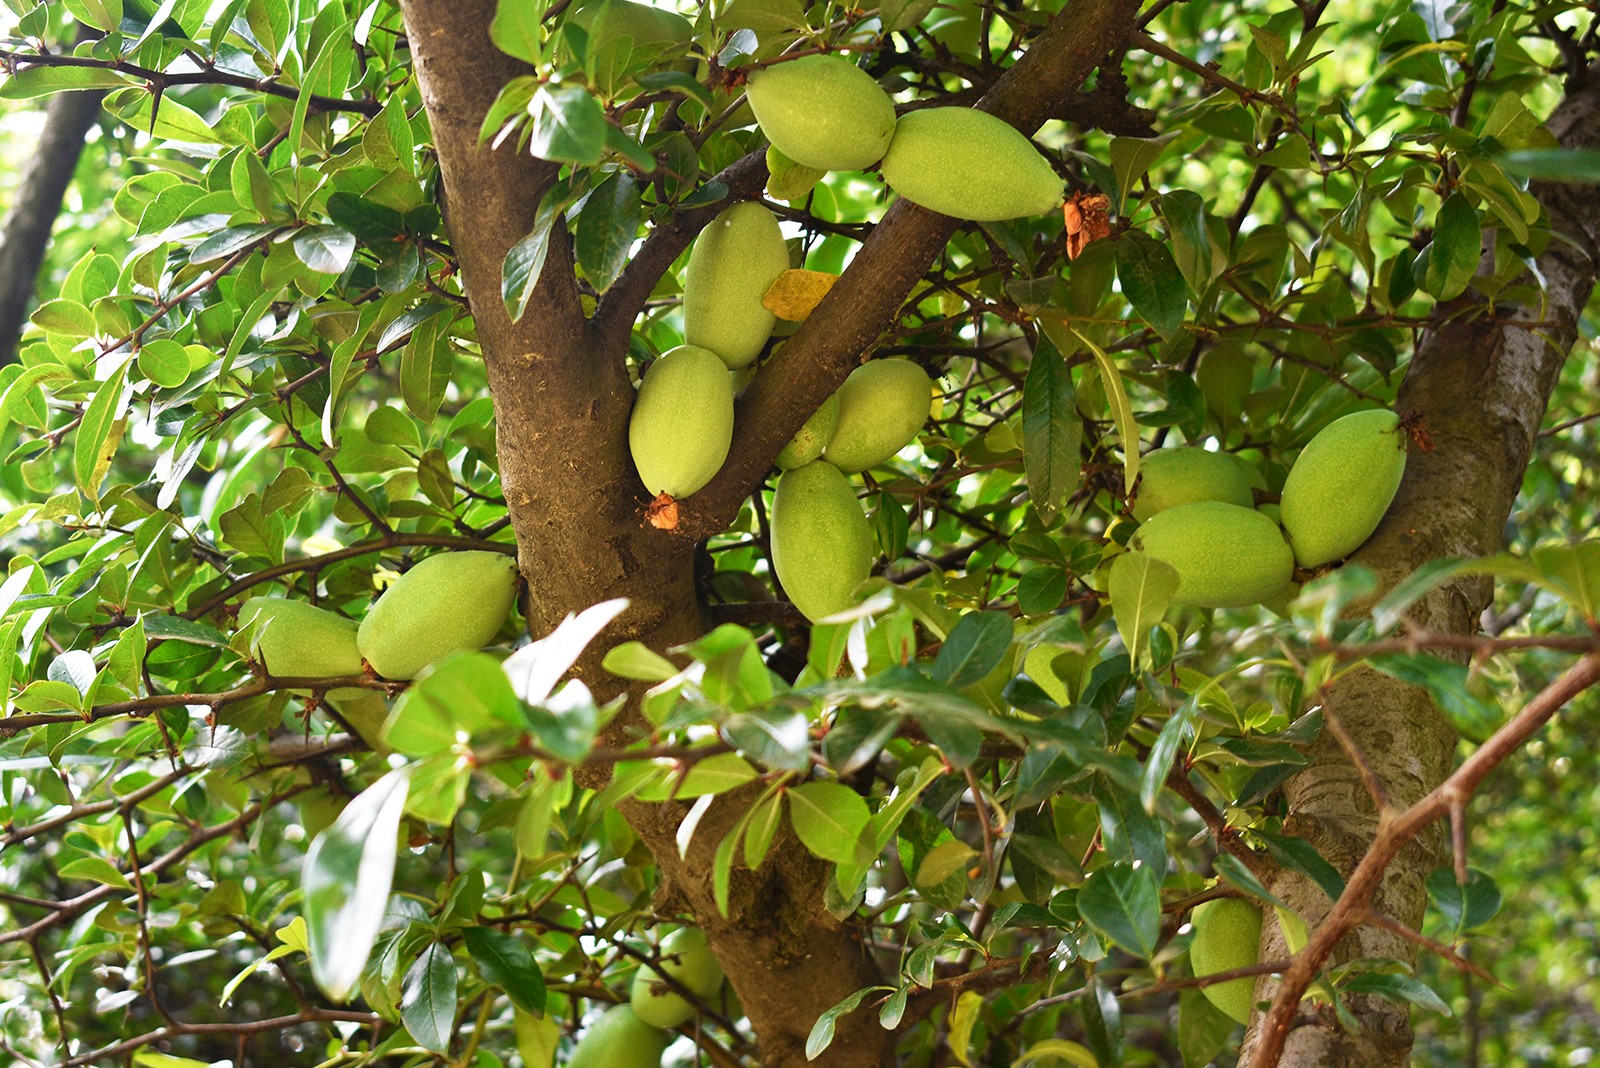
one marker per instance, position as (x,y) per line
(1196,511)
(634,1035)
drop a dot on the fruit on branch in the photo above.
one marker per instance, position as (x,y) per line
(682,421)
(1226,556)
(1341,485)
(655,35)
(821,545)
(1227,935)
(292,638)
(686,958)
(788,180)
(969,165)
(882,405)
(1187,474)
(733,263)
(619,1039)
(823,111)
(447,602)
(809,441)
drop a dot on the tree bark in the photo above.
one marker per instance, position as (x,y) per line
(1481,383)
(44,181)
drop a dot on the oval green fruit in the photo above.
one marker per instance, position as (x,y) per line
(1341,485)
(293,638)
(788,180)
(686,958)
(1187,474)
(447,602)
(1227,935)
(734,262)
(809,441)
(655,34)
(882,405)
(682,421)
(823,112)
(821,545)
(969,165)
(1226,556)
(619,1039)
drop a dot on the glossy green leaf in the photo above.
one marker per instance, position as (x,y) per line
(828,818)
(428,998)
(1052,433)
(504,961)
(1123,903)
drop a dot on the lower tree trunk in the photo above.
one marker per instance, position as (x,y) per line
(1481,383)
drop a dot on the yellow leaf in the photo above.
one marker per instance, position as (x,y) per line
(796,292)
(1057,1051)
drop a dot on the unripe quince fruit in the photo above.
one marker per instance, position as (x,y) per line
(292,638)
(619,1039)
(821,545)
(823,112)
(969,165)
(1187,474)
(733,263)
(882,405)
(809,441)
(686,958)
(682,421)
(654,33)
(447,602)
(1341,485)
(1227,935)
(1226,556)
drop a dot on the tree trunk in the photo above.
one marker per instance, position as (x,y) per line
(1481,383)
(44,181)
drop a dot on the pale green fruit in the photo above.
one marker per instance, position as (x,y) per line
(682,421)
(447,602)
(292,638)
(734,262)
(1187,474)
(1227,935)
(655,35)
(788,180)
(686,958)
(1226,556)
(882,405)
(969,165)
(366,712)
(1341,484)
(809,441)
(823,111)
(821,545)
(619,1039)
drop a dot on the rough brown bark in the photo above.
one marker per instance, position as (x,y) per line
(1482,385)
(43,183)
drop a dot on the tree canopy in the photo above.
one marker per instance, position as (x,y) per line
(341,293)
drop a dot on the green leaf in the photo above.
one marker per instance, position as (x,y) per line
(569,125)
(65,317)
(1132,158)
(963,1020)
(713,775)
(1476,717)
(463,693)
(1141,589)
(1116,395)
(1401,988)
(325,249)
(1052,1051)
(1203,1029)
(345,883)
(164,362)
(99,434)
(1581,165)
(1151,281)
(1177,730)
(1041,590)
(1572,572)
(975,645)
(428,998)
(372,223)
(1457,245)
(607,229)
(635,660)
(1122,902)
(518,31)
(536,669)
(519,276)
(505,962)
(1296,854)
(821,1036)
(1052,433)
(828,818)
(1185,213)
(1464,907)
(46,81)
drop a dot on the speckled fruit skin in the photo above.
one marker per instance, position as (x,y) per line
(619,1039)
(1187,474)
(1341,484)
(882,405)
(293,638)
(809,441)
(682,421)
(823,112)
(821,545)
(447,602)
(1227,935)
(686,958)
(969,165)
(1226,556)
(734,262)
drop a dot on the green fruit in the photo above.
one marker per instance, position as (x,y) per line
(1227,935)
(788,180)
(809,440)
(619,1039)
(655,35)
(823,112)
(882,405)
(1188,474)
(686,958)
(448,602)
(682,421)
(365,711)
(1341,485)
(1226,556)
(734,262)
(821,545)
(292,638)
(969,165)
